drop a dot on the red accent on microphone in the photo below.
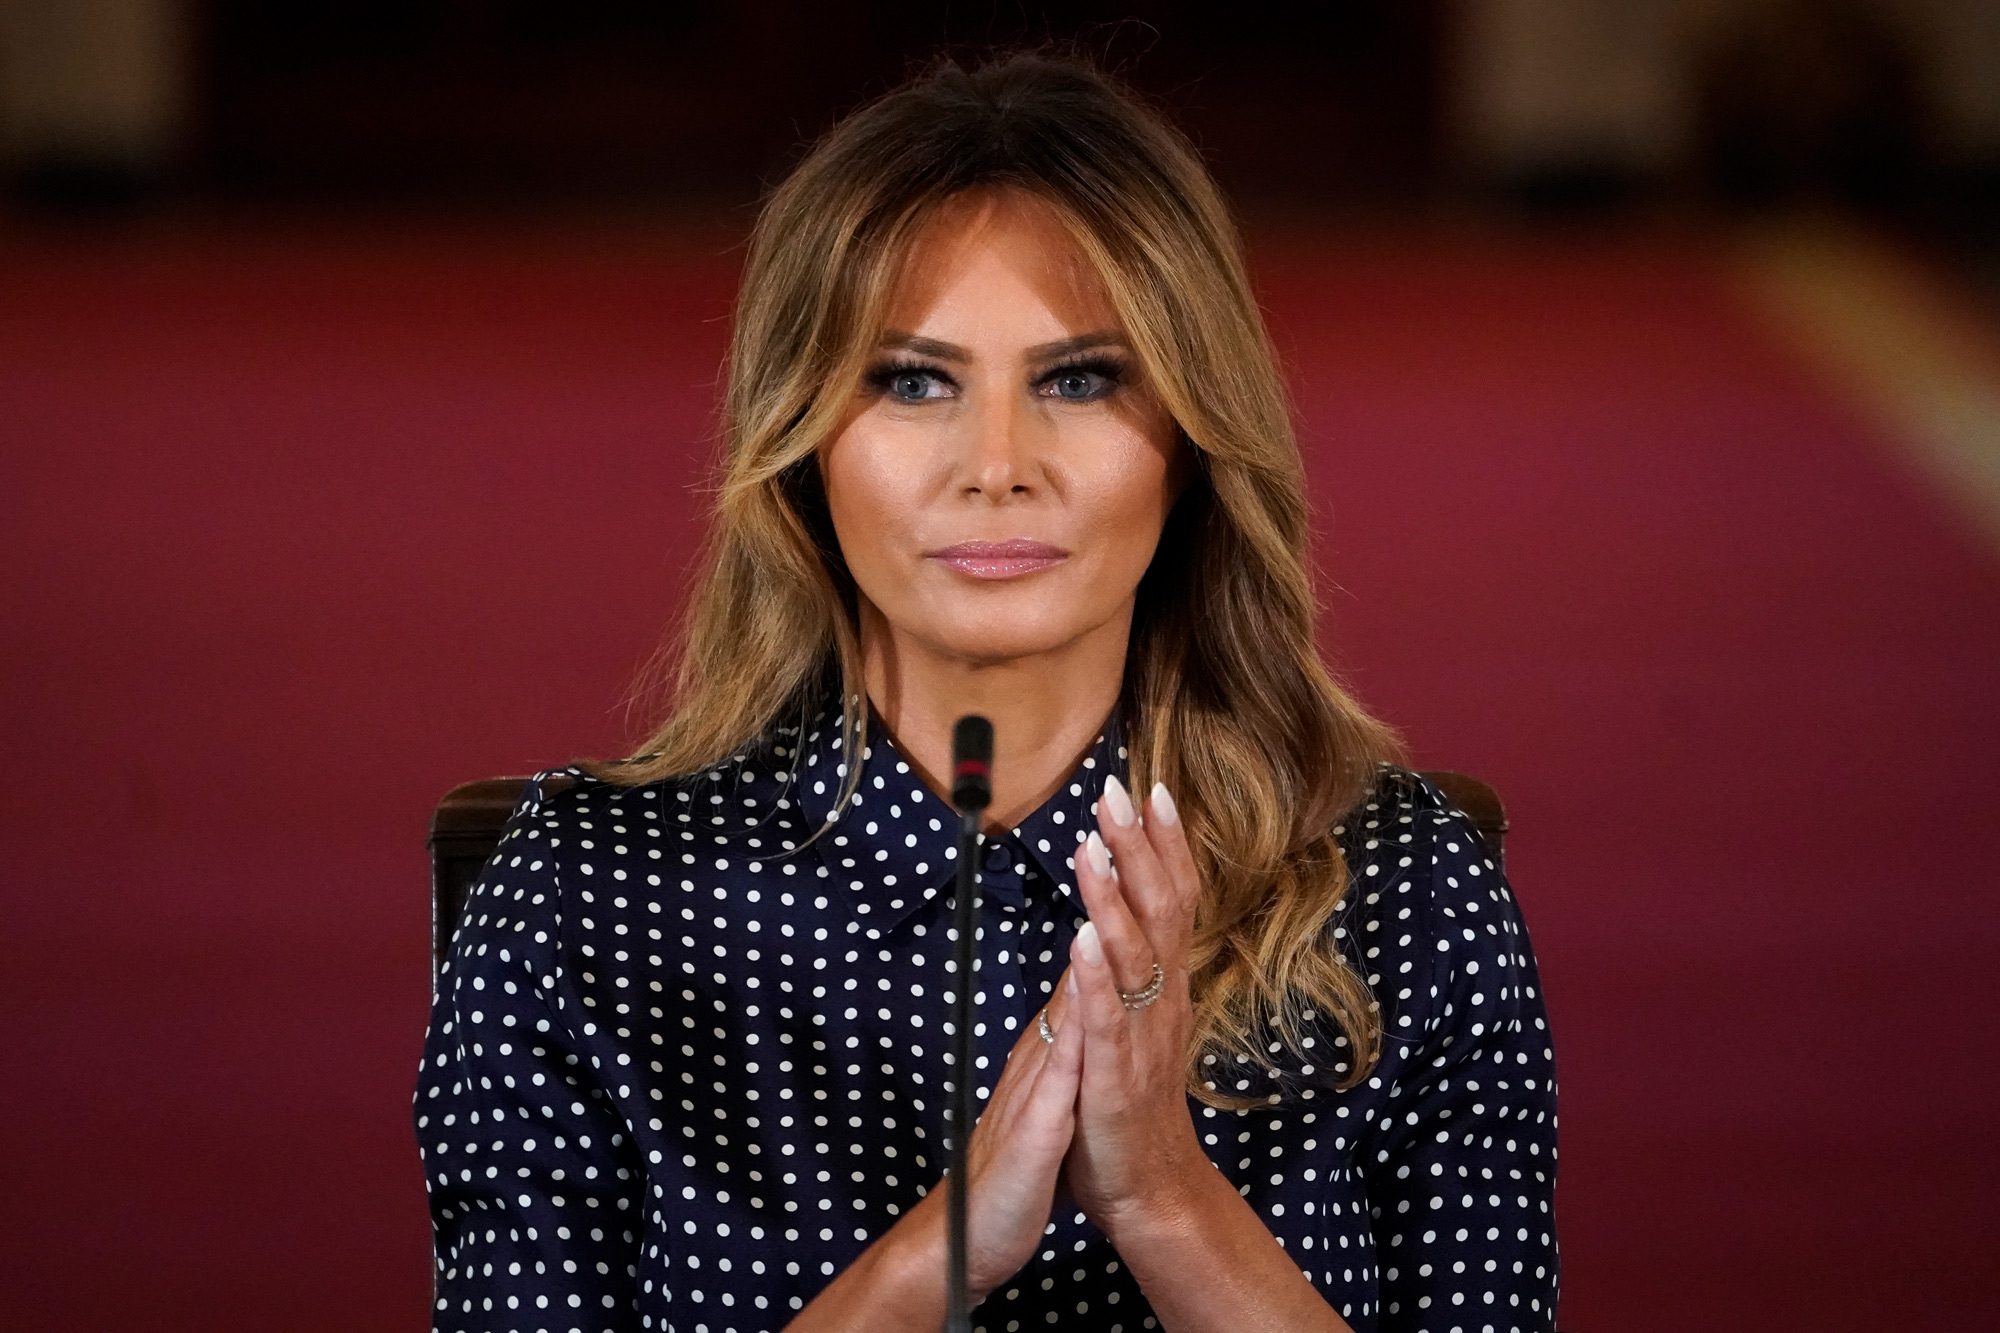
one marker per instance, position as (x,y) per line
(971,763)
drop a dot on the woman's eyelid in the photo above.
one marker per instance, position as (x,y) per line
(884,376)
(1112,370)
(1091,359)
(1107,364)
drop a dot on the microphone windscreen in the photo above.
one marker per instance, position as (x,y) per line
(972,763)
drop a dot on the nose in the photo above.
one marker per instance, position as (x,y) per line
(1000,451)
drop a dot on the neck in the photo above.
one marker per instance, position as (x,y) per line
(1046,709)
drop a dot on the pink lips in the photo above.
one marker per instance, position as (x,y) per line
(1000,560)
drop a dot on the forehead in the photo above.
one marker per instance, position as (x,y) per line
(993,258)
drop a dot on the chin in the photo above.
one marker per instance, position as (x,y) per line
(995,637)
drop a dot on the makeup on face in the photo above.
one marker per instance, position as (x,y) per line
(1010,559)
(999,483)
(1087,368)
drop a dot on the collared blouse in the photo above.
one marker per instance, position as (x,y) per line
(686,1060)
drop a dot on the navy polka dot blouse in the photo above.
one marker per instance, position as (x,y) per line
(685,1061)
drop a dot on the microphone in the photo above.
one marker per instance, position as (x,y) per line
(971,764)
(971,793)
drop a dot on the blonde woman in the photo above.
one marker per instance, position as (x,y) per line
(1260,1039)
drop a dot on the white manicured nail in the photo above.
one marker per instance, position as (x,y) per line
(1098,855)
(1118,803)
(1089,945)
(1163,805)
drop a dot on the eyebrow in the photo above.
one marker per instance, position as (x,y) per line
(946,351)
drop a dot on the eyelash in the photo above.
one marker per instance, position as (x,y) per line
(1110,368)
(882,376)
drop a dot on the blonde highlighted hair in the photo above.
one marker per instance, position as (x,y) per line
(1226,699)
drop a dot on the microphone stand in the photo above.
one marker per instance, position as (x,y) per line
(971,791)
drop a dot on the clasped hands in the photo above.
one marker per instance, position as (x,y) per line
(1101,1108)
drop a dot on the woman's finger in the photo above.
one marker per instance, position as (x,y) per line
(1099,1012)
(1026,1058)
(1058,1004)
(1129,948)
(1038,1096)
(1062,1063)
(1170,845)
(1018,1146)
(1150,892)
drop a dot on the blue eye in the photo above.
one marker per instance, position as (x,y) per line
(911,383)
(1078,384)
(1083,381)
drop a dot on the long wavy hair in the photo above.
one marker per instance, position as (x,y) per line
(1226,698)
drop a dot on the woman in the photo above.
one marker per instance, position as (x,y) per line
(1264,1049)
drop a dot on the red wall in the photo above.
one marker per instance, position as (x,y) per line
(302,528)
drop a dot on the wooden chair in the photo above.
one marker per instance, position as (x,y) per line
(466,828)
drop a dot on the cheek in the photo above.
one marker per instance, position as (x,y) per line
(1126,493)
(868,494)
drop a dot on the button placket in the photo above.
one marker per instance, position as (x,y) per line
(998,995)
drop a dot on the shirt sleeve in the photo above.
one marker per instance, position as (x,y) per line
(1461,1163)
(534,1183)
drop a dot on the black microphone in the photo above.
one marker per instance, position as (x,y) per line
(971,793)
(971,764)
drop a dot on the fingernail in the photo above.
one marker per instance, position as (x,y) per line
(1091,947)
(1163,805)
(1095,851)
(1071,986)
(1118,803)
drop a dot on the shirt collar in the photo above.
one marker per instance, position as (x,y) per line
(894,844)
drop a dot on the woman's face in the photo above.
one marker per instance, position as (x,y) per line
(1002,476)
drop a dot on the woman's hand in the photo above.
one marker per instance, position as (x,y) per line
(1202,1255)
(1016,1158)
(1104,1106)
(1135,1142)
(1017,1150)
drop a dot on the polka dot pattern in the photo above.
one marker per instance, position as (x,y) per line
(687,1060)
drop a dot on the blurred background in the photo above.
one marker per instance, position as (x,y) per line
(357,377)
